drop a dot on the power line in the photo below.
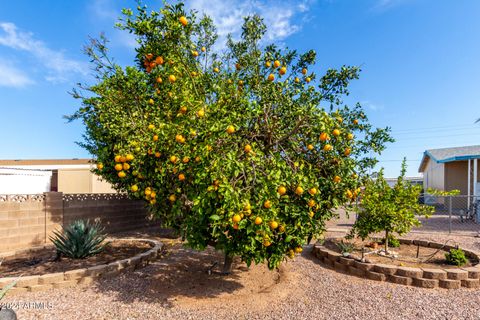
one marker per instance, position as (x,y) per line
(437,127)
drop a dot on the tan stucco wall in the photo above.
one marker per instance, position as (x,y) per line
(456,176)
(81,181)
(74,181)
(434,176)
(99,186)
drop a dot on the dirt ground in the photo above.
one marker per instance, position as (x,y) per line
(43,261)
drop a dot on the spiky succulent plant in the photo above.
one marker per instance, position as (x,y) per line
(80,239)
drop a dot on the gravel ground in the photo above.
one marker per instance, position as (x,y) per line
(177,287)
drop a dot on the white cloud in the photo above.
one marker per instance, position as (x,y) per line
(103,9)
(58,66)
(12,77)
(383,5)
(281,16)
(371,106)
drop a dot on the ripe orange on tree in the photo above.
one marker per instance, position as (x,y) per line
(324,136)
(267,204)
(281,190)
(299,191)
(183,20)
(230,129)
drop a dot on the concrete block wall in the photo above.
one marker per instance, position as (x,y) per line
(114,211)
(29,220)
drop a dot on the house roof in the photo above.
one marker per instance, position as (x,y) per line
(40,162)
(444,155)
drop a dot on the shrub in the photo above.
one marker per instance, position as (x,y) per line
(248,149)
(456,257)
(80,239)
(345,247)
(393,242)
(389,209)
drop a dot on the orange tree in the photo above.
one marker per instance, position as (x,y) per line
(234,149)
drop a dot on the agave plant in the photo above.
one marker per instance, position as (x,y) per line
(80,239)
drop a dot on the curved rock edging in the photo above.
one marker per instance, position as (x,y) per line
(84,276)
(421,277)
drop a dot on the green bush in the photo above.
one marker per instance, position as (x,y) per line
(456,257)
(80,239)
(392,210)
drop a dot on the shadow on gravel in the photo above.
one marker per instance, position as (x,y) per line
(181,272)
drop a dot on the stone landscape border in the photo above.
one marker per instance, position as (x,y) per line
(83,276)
(421,277)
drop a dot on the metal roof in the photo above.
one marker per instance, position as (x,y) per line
(37,162)
(444,155)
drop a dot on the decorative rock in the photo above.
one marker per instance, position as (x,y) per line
(16,290)
(39,287)
(363,265)
(405,241)
(356,272)
(421,243)
(473,272)
(434,273)
(86,280)
(5,282)
(471,283)
(409,272)
(450,284)
(400,280)
(375,276)
(435,245)
(333,256)
(50,278)
(340,267)
(97,270)
(328,262)
(425,283)
(385,269)
(65,284)
(27,281)
(75,274)
(346,261)
(457,274)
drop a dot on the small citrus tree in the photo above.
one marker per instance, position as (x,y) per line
(389,209)
(232,150)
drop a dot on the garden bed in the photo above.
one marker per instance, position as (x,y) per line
(427,275)
(39,271)
(42,261)
(406,254)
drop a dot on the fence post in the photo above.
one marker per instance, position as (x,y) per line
(450,214)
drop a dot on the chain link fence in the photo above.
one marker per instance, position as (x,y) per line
(453,214)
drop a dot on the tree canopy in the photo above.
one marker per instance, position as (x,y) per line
(247,148)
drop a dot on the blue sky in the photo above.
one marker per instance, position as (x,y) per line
(419,59)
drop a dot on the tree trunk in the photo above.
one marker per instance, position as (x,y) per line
(227,264)
(386,242)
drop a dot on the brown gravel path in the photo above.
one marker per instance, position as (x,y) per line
(177,287)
